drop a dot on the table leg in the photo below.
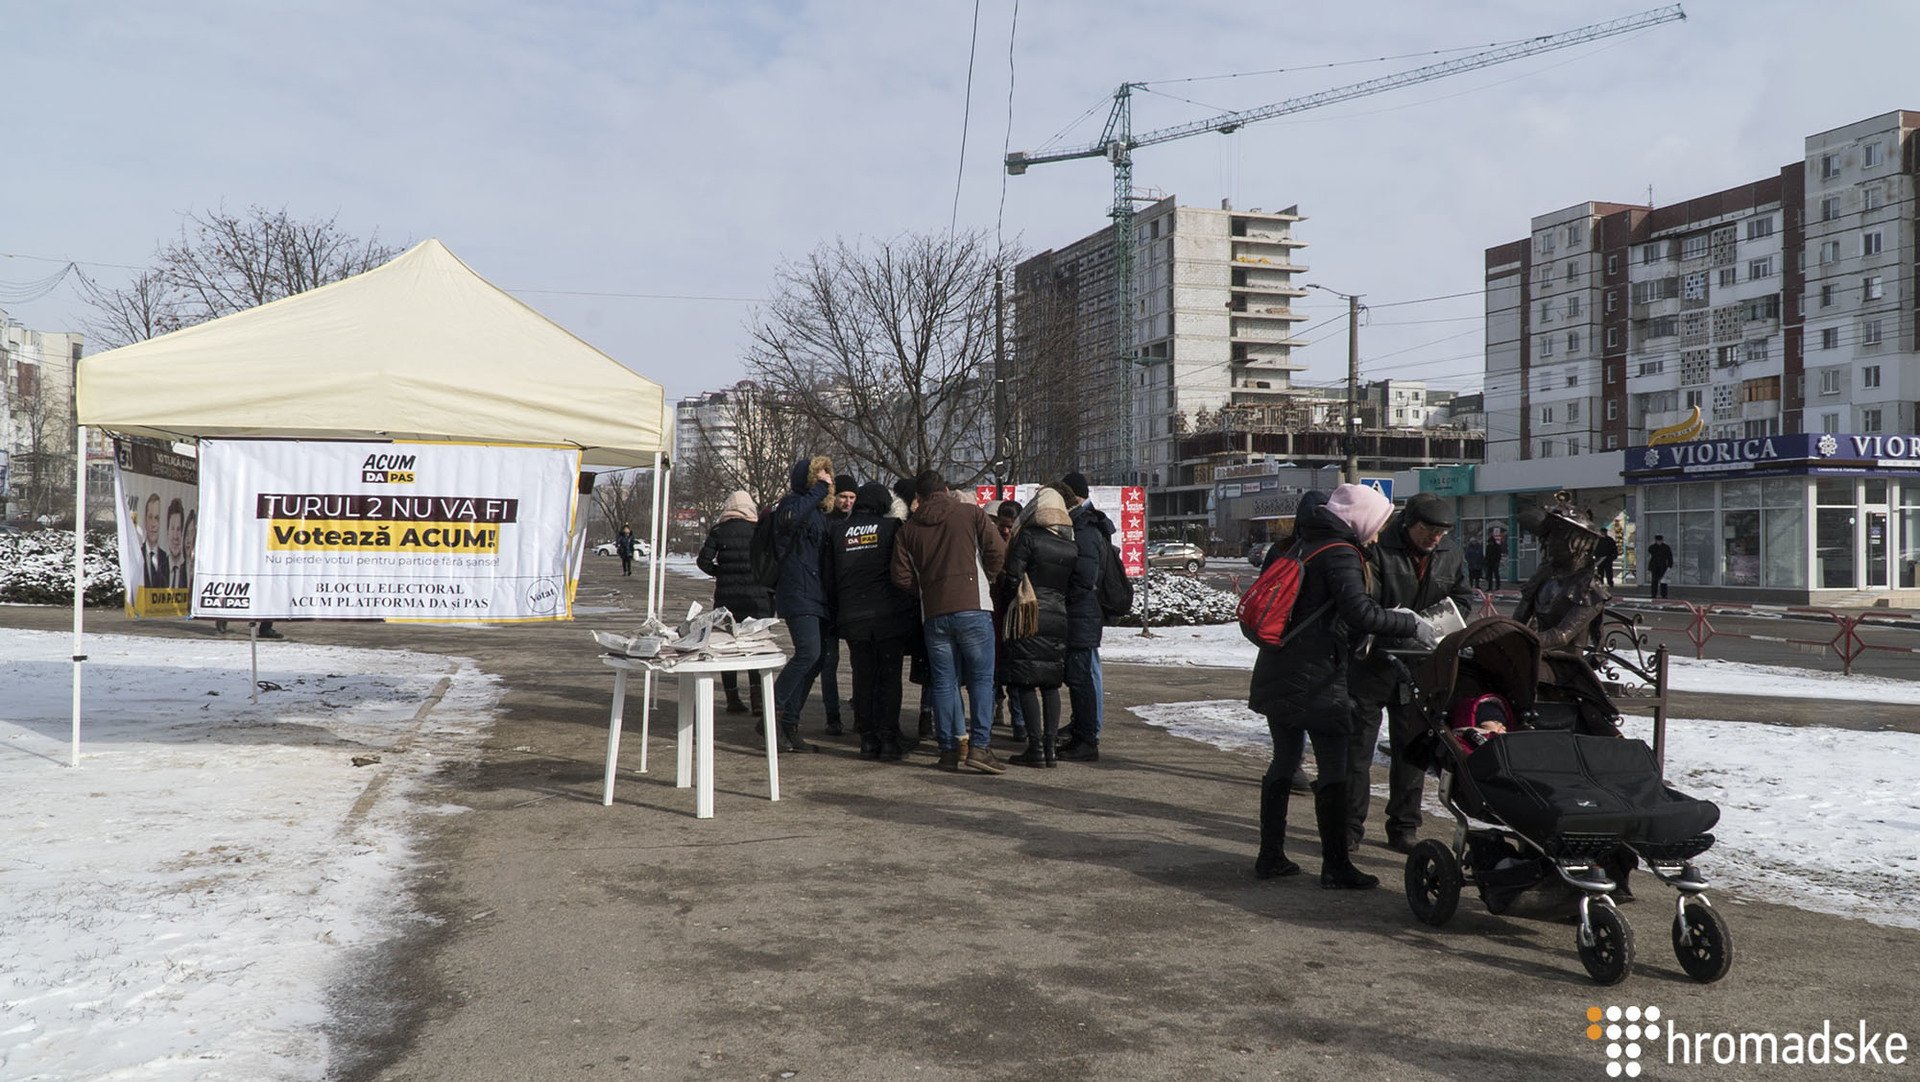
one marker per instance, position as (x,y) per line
(613,733)
(703,737)
(765,676)
(646,720)
(684,734)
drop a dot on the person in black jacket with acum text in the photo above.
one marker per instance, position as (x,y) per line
(871,614)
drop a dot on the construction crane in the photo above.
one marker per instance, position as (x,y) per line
(1117,144)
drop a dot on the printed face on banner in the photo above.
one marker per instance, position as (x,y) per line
(368,531)
(158,498)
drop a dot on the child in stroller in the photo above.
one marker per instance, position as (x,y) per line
(1542,786)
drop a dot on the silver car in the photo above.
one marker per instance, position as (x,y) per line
(1180,554)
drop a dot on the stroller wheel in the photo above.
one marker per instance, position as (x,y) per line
(1433,882)
(1609,957)
(1702,943)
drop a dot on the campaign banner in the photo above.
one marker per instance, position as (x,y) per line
(1126,505)
(156,497)
(385,531)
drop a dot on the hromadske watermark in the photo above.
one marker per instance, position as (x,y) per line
(1637,1038)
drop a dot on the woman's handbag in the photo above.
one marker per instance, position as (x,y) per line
(1023,615)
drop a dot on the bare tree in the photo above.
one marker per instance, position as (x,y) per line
(625,497)
(224,262)
(887,350)
(43,438)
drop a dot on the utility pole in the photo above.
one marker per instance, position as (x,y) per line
(1352,426)
(1353,389)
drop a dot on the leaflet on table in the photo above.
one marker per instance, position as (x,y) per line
(344,530)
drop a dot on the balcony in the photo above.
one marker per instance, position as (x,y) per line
(1272,332)
(1279,262)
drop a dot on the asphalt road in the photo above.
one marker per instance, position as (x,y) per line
(887,921)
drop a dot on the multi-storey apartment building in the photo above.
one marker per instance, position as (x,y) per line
(1737,372)
(1210,327)
(37,424)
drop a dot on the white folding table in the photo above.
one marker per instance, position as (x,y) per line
(694,735)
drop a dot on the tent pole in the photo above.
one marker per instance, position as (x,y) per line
(653,540)
(666,531)
(79,577)
(253,644)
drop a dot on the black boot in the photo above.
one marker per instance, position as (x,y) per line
(790,738)
(870,745)
(926,722)
(734,704)
(834,728)
(1272,862)
(891,745)
(1035,755)
(1336,867)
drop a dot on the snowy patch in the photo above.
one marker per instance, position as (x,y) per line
(37,568)
(1223,646)
(1822,819)
(1168,600)
(181,905)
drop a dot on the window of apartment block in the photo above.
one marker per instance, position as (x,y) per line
(1546,345)
(1829,208)
(1829,381)
(1573,306)
(1723,357)
(1695,246)
(1573,342)
(1870,376)
(1546,448)
(1829,251)
(1870,420)
(1613,410)
(1871,197)
(1870,242)
(1870,155)
(1573,415)
(1764,389)
(1573,447)
(1546,415)
(1870,333)
(1653,368)
(1546,311)
(1694,399)
(1759,227)
(1613,299)
(1829,422)
(1767,307)
(1663,327)
(1613,336)
(1653,253)
(1613,443)
(1573,236)
(1755,350)
(1760,268)
(1830,338)
(1729,276)
(1613,264)
(1829,166)
(1573,270)
(1573,379)
(1826,296)
(1871,288)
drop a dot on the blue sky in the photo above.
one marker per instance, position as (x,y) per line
(688,148)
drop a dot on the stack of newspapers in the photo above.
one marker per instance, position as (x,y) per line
(705,635)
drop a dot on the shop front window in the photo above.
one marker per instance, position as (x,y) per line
(1833,548)
(1694,556)
(1740,541)
(1786,548)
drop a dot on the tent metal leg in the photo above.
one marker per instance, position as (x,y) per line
(653,539)
(79,579)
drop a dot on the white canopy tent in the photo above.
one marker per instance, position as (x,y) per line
(420,348)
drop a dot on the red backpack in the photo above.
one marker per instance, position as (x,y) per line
(1267,607)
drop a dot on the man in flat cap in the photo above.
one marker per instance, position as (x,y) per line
(1414,565)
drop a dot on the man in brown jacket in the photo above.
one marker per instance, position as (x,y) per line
(947,555)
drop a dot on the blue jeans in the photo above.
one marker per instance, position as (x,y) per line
(960,649)
(1083,691)
(790,688)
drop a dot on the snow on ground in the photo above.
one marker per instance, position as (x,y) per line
(1223,646)
(182,904)
(1823,819)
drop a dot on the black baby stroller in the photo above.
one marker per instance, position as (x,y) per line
(1559,796)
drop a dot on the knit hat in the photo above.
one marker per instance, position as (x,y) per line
(845,483)
(1076,483)
(1430,509)
(1362,508)
(903,488)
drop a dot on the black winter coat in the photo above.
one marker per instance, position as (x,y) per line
(1397,584)
(727,556)
(1050,562)
(799,531)
(1304,683)
(856,571)
(1091,529)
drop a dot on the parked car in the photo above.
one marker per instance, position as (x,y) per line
(1180,554)
(606,548)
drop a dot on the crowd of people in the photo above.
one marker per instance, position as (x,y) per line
(989,610)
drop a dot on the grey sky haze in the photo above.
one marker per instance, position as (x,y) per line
(688,148)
